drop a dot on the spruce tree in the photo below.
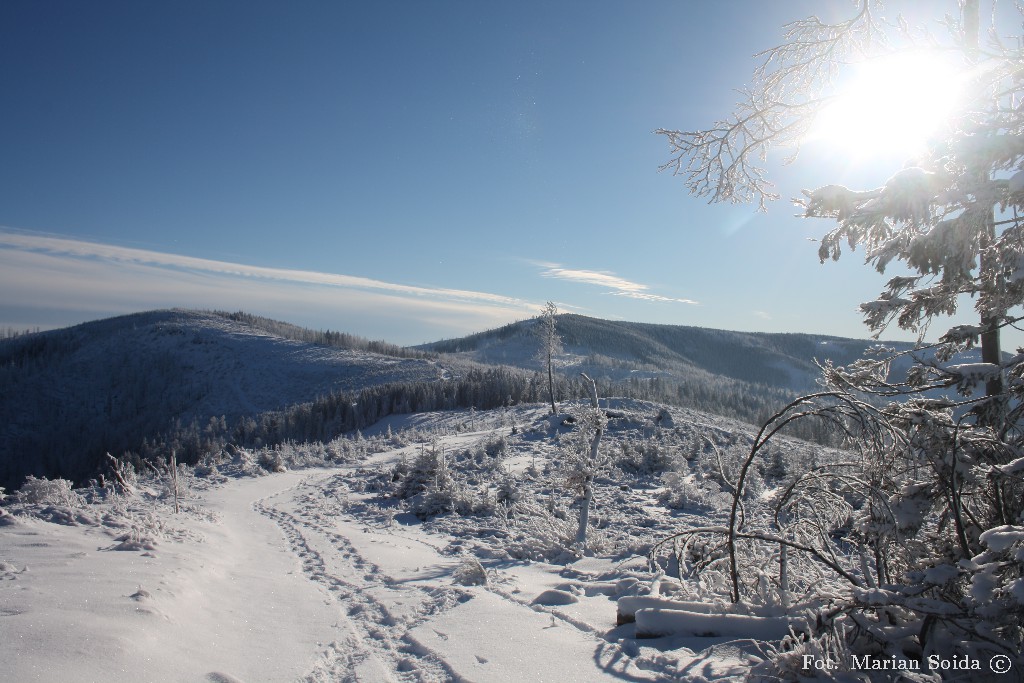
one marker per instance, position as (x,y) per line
(921,531)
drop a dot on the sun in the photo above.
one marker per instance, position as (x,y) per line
(889,107)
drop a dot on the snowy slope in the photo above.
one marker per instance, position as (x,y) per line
(231,368)
(105,385)
(619,350)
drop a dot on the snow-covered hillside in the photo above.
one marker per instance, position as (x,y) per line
(227,367)
(106,385)
(621,350)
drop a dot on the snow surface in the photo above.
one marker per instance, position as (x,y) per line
(298,576)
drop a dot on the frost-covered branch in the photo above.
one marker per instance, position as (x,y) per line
(725,163)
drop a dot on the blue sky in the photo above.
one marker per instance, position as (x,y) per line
(398,170)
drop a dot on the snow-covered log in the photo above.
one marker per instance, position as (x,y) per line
(628,606)
(655,623)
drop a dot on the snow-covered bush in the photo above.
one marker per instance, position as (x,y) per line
(486,456)
(431,488)
(538,535)
(415,477)
(687,492)
(644,457)
(124,476)
(178,483)
(509,490)
(207,469)
(43,491)
(135,540)
(470,573)
(342,450)
(496,447)
(271,460)
(434,501)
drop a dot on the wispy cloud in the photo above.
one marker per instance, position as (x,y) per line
(127,255)
(618,286)
(48,272)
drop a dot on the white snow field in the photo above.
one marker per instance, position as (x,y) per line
(307,575)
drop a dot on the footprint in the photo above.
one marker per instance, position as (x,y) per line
(221,677)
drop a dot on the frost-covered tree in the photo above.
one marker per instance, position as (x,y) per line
(550,345)
(584,458)
(936,215)
(917,541)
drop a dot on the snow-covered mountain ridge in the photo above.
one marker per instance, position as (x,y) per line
(105,385)
(113,385)
(620,350)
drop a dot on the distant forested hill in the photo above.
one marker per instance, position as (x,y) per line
(71,395)
(620,350)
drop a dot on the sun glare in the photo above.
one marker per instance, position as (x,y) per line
(890,107)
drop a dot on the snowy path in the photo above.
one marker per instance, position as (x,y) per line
(377,611)
(227,606)
(411,622)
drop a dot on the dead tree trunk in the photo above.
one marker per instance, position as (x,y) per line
(590,466)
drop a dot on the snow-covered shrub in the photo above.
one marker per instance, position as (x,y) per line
(687,492)
(644,457)
(777,465)
(509,491)
(43,491)
(470,573)
(537,535)
(412,478)
(341,450)
(583,458)
(788,660)
(486,456)
(400,471)
(417,476)
(207,469)
(754,486)
(246,462)
(123,474)
(271,460)
(435,486)
(433,501)
(378,480)
(996,588)
(496,447)
(178,483)
(134,540)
